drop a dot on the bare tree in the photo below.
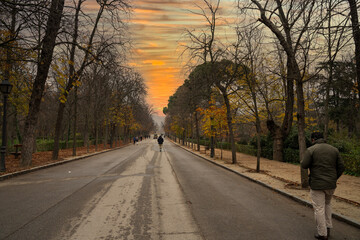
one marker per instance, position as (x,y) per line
(334,30)
(356,33)
(204,46)
(290,22)
(48,44)
(90,55)
(203,43)
(248,49)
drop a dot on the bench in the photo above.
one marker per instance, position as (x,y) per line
(17,152)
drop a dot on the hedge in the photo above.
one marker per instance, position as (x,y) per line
(49,145)
(352,164)
(246,149)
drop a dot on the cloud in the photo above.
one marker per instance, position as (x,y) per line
(157,28)
(154,62)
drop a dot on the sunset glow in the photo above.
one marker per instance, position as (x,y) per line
(157,30)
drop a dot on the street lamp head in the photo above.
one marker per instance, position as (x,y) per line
(5,87)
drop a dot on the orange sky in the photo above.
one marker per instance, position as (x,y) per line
(157,28)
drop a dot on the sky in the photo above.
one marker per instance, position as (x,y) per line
(157,30)
(157,27)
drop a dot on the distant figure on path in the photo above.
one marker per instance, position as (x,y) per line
(326,167)
(160,142)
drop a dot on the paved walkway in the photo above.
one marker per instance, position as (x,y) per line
(285,178)
(279,176)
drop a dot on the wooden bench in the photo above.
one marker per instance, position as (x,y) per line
(17,152)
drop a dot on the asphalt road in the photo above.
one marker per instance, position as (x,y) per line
(138,192)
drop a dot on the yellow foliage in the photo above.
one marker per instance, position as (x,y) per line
(62,99)
(214,122)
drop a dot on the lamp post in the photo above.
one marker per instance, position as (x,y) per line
(5,88)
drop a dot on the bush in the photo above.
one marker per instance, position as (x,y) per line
(352,164)
(247,149)
(292,141)
(291,155)
(48,145)
(343,145)
(266,143)
(242,142)
(223,145)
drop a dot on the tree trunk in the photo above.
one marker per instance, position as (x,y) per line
(86,130)
(258,133)
(68,130)
(197,131)
(86,133)
(356,34)
(183,137)
(106,136)
(278,133)
(48,44)
(96,135)
(68,87)
(75,122)
(230,126)
(59,119)
(278,140)
(212,148)
(258,152)
(18,134)
(112,134)
(301,130)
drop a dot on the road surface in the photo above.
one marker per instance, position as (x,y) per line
(138,192)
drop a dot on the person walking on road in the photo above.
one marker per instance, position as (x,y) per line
(160,142)
(326,167)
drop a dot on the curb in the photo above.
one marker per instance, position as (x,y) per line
(66,160)
(297,199)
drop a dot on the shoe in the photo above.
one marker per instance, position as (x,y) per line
(328,232)
(317,236)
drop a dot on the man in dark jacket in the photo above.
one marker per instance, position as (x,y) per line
(326,167)
(160,142)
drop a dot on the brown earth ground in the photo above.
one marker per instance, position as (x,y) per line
(44,158)
(279,175)
(286,177)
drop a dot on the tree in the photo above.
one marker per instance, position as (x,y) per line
(90,55)
(179,112)
(225,75)
(48,44)
(248,48)
(292,29)
(200,93)
(340,93)
(214,120)
(334,32)
(203,44)
(356,33)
